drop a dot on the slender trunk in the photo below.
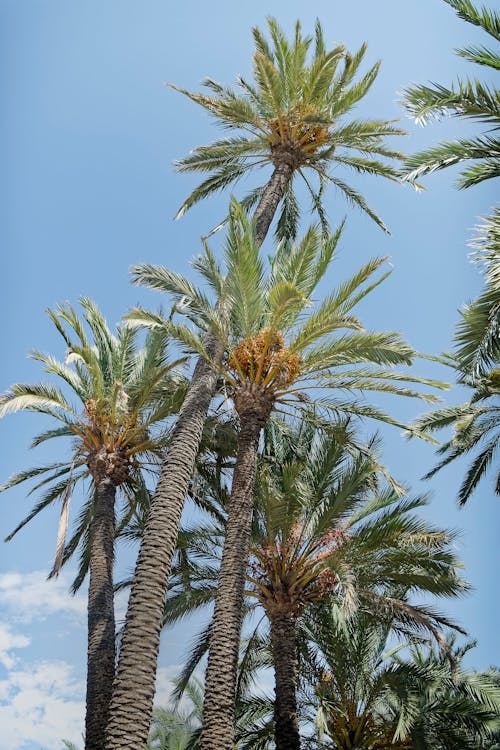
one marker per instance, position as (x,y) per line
(101,616)
(132,702)
(284,648)
(220,679)
(273,193)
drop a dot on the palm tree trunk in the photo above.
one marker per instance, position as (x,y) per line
(273,193)
(101,616)
(284,648)
(132,701)
(220,679)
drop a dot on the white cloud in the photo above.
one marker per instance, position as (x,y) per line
(30,596)
(9,641)
(41,701)
(41,705)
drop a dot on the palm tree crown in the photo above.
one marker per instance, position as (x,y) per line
(292,116)
(278,346)
(330,522)
(374,695)
(123,392)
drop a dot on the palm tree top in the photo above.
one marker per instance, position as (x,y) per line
(293,113)
(279,342)
(122,392)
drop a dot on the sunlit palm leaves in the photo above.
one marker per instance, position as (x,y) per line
(478,332)
(295,113)
(122,391)
(276,338)
(476,431)
(371,694)
(470,99)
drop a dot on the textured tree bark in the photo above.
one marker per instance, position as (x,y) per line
(273,193)
(220,679)
(132,701)
(284,648)
(101,616)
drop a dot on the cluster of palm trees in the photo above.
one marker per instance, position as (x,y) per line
(302,539)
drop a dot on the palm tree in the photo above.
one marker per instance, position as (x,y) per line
(477,337)
(309,125)
(292,117)
(469,99)
(372,697)
(476,423)
(123,393)
(262,372)
(327,531)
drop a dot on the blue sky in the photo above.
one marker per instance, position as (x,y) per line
(88,137)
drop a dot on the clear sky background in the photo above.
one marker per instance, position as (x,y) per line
(88,136)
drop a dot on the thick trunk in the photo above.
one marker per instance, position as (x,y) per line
(220,680)
(273,193)
(101,616)
(283,643)
(132,702)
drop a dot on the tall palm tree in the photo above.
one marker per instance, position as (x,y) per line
(470,99)
(261,373)
(373,695)
(122,393)
(293,117)
(304,131)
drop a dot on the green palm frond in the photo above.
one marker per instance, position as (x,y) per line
(480,55)
(35,398)
(476,430)
(477,334)
(488,20)
(485,148)
(471,99)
